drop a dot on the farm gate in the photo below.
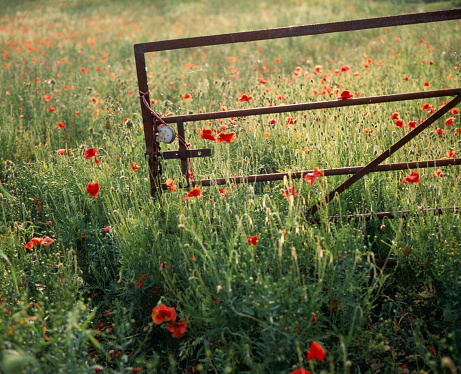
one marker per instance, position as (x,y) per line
(156,128)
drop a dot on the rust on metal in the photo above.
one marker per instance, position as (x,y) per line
(390,215)
(326,172)
(294,31)
(190,153)
(392,149)
(313,105)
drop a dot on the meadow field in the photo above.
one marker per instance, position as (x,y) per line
(96,276)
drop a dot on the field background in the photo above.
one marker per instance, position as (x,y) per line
(84,303)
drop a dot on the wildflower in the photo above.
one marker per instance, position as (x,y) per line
(345,68)
(345,95)
(400,123)
(136,370)
(291,191)
(426,84)
(451,154)
(411,125)
(272,121)
(412,178)
(450,121)
(106,229)
(457,131)
(310,177)
(47,241)
(313,319)
(178,328)
(395,115)
(406,79)
(263,81)
(93,188)
(134,166)
(163,313)
(33,241)
(92,152)
(196,192)
(52,109)
(437,173)
(245,98)
(280,98)
(455,111)
(316,351)
(187,96)
(318,69)
(290,121)
(171,185)
(223,191)
(439,131)
(252,240)
(300,371)
(61,151)
(226,137)
(61,125)
(47,97)
(266,134)
(334,306)
(426,106)
(208,134)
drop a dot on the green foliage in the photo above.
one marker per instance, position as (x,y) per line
(84,302)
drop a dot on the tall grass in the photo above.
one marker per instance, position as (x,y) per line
(85,302)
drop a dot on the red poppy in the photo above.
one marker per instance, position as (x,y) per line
(170,183)
(406,79)
(223,191)
(335,306)
(106,229)
(400,123)
(33,241)
(136,369)
(437,173)
(300,371)
(272,121)
(439,131)
(450,121)
(134,166)
(52,109)
(457,131)
(290,121)
(345,95)
(368,131)
(61,151)
(455,111)
(345,68)
(318,69)
(47,241)
(426,84)
(208,134)
(178,328)
(451,154)
(61,125)
(412,178)
(313,318)
(187,96)
(163,313)
(227,137)
(263,81)
(310,177)
(412,125)
(395,115)
(245,98)
(48,97)
(92,152)
(196,191)
(291,191)
(316,351)
(93,188)
(252,240)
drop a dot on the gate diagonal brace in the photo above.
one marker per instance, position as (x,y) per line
(378,160)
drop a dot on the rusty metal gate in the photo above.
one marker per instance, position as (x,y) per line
(154,125)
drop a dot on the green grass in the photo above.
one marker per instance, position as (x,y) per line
(85,302)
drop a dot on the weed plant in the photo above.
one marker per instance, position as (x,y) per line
(254,280)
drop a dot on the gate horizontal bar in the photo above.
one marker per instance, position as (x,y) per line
(390,215)
(326,172)
(190,153)
(313,105)
(292,31)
